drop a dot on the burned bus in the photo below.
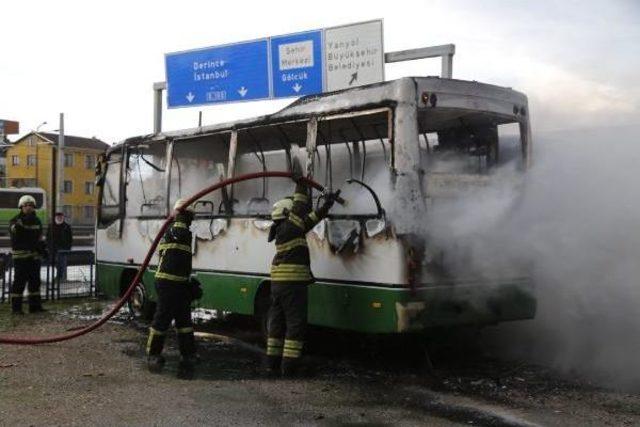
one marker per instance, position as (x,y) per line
(381,144)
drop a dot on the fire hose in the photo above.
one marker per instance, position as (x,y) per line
(85,330)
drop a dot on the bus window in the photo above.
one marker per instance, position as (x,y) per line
(110,203)
(462,142)
(111,193)
(197,163)
(264,149)
(146,192)
(9,199)
(357,148)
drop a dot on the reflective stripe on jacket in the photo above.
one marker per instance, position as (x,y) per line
(175,252)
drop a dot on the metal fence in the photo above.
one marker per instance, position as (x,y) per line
(67,274)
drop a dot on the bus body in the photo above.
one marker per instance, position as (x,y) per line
(9,198)
(369,257)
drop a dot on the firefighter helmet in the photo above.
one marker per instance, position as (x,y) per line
(281,209)
(26,199)
(179,203)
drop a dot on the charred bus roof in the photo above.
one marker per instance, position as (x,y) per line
(442,104)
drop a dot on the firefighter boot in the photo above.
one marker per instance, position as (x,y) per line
(188,359)
(271,366)
(16,305)
(295,367)
(290,367)
(35,304)
(155,361)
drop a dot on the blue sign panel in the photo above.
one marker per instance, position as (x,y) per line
(296,64)
(219,74)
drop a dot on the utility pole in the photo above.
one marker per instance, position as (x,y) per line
(60,171)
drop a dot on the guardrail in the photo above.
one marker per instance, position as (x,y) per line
(73,274)
(67,274)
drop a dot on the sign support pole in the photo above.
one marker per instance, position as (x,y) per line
(445,51)
(158,87)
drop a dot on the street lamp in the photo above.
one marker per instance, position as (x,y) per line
(40,125)
(36,164)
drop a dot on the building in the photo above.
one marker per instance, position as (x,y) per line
(30,162)
(7,127)
(4,146)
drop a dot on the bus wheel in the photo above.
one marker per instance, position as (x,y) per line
(139,304)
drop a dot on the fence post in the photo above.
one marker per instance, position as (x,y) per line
(92,283)
(57,279)
(4,276)
(47,283)
(10,284)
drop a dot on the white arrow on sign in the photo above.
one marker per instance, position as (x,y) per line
(190,97)
(296,87)
(243,91)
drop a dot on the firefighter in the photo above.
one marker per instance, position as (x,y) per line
(27,248)
(290,275)
(175,293)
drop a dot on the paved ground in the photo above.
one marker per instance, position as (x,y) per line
(100,379)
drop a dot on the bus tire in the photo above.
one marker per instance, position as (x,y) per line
(139,305)
(261,306)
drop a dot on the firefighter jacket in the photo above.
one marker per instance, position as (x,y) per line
(175,252)
(292,262)
(26,233)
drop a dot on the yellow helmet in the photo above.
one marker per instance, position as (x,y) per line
(26,199)
(179,203)
(281,209)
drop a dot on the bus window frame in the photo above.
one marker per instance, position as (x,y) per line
(286,147)
(312,142)
(234,145)
(169,169)
(121,206)
(127,151)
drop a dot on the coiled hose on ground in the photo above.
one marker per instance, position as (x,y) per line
(147,259)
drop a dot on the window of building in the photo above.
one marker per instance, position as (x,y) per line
(31,159)
(88,187)
(15,160)
(68,212)
(67,187)
(89,161)
(68,160)
(89,212)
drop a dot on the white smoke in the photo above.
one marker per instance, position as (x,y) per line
(576,223)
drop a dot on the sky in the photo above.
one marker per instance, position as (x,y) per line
(578,61)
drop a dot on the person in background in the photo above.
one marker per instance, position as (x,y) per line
(59,238)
